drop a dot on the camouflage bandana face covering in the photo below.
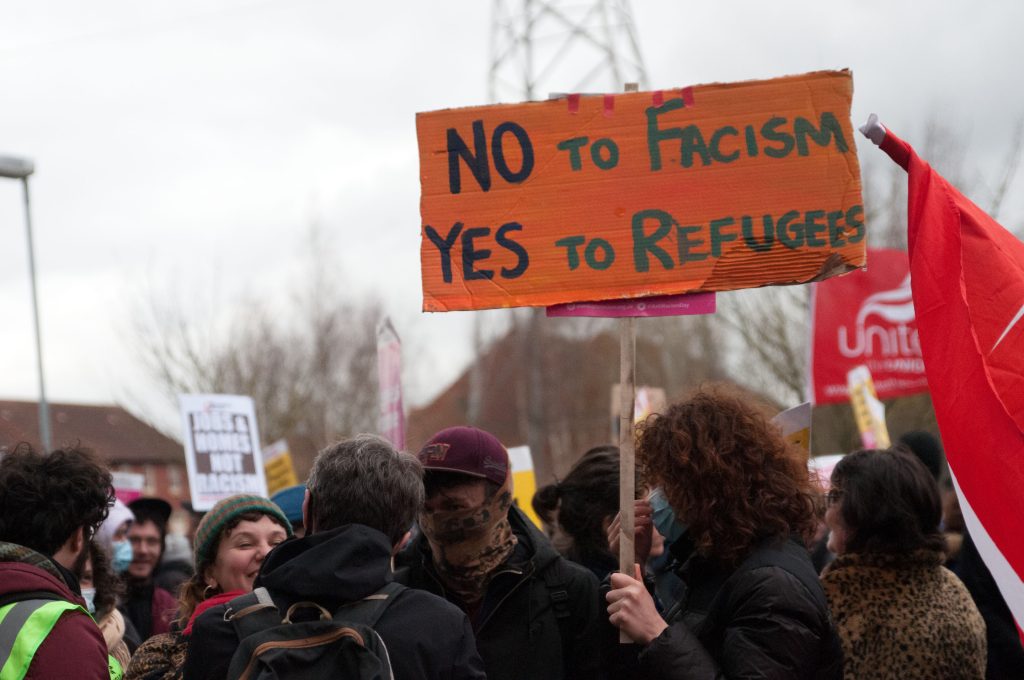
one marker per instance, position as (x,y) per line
(469,545)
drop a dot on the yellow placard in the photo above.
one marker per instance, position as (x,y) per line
(868,410)
(278,467)
(524,482)
(795,424)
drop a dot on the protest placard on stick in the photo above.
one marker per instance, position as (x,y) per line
(612,197)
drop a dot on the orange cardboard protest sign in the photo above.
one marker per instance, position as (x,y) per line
(709,188)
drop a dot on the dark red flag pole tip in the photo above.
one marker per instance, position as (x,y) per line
(897,149)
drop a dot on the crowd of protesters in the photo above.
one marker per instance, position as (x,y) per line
(388,564)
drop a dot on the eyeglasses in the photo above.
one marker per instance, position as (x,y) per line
(833,496)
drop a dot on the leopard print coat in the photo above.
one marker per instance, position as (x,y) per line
(904,616)
(161,657)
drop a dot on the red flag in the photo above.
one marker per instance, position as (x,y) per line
(967,277)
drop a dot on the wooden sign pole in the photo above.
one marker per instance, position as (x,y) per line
(627,457)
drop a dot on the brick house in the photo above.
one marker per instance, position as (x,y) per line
(125,442)
(578,376)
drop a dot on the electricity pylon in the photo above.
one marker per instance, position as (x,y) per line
(542,46)
(539,47)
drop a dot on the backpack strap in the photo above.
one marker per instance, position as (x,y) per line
(252,612)
(256,611)
(369,609)
(556,581)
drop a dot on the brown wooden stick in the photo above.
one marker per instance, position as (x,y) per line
(627,457)
(627,460)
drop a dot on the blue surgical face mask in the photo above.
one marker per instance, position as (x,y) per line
(664,517)
(89,595)
(122,556)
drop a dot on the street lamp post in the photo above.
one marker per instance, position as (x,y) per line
(13,167)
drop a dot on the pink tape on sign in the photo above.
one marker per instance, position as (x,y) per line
(574,103)
(609,106)
(688,96)
(656,305)
(658,97)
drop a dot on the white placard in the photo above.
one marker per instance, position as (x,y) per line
(520,459)
(222,447)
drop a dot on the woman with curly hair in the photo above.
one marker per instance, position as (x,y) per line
(231,543)
(753,605)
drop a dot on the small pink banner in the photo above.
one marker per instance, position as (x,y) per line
(391,418)
(126,496)
(127,485)
(656,305)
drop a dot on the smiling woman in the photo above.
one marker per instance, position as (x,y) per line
(232,541)
(241,552)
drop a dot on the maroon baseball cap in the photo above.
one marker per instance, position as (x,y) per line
(468,451)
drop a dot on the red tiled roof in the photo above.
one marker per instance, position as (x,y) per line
(112,432)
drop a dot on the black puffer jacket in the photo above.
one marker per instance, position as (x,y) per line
(766,619)
(427,638)
(540,618)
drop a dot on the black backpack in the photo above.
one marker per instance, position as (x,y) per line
(342,645)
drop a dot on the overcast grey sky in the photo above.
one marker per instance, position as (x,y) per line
(187,145)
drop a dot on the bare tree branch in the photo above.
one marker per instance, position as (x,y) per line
(1009,170)
(310,371)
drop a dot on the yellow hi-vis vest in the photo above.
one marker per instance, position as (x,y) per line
(23,627)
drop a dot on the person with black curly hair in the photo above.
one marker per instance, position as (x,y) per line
(50,506)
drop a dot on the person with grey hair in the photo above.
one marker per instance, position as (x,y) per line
(361,499)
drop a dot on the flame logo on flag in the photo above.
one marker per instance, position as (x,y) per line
(895,306)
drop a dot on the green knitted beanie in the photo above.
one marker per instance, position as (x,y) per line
(213,522)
